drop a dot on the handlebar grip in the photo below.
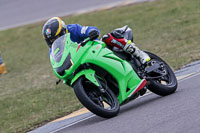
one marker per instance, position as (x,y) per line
(94,37)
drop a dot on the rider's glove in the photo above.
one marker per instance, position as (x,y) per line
(93,34)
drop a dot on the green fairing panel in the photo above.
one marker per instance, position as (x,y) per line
(122,70)
(89,74)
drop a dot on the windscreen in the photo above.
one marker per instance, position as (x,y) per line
(58,48)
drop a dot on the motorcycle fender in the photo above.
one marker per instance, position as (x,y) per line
(89,74)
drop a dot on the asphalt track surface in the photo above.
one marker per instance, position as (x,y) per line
(176,113)
(19,12)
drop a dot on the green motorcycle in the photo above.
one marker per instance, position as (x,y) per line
(104,79)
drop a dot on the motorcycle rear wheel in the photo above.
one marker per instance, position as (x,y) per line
(165,85)
(102,104)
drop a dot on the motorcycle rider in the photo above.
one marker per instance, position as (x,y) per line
(55,28)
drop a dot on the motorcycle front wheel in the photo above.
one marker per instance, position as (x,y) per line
(102,104)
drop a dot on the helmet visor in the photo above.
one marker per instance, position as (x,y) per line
(50,40)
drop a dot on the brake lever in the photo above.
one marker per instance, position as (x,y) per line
(85,41)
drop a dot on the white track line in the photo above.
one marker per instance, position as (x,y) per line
(73,123)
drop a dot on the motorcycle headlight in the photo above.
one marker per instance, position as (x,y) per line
(65,66)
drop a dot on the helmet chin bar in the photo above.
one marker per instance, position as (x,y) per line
(48,43)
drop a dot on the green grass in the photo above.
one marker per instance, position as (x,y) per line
(28,94)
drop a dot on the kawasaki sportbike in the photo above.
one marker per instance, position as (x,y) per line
(104,79)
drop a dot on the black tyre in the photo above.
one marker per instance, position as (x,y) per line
(164,85)
(102,104)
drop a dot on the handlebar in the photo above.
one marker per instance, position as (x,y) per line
(89,39)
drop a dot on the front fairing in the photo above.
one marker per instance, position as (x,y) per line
(67,56)
(60,56)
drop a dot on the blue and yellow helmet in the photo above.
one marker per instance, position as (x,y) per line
(53,29)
